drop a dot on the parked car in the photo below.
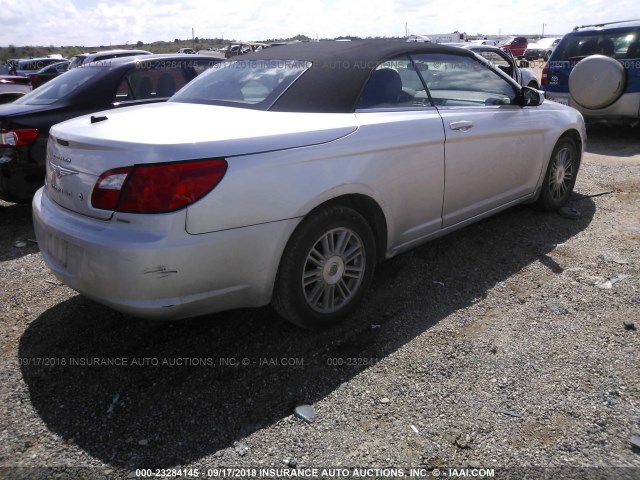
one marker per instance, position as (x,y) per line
(504,60)
(244,48)
(13,87)
(47,73)
(25,123)
(189,51)
(83,58)
(516,45)
(596,69)
(485,42)
(301,167)
(541,49)
(32,65)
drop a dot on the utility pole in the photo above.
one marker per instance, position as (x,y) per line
(543,25)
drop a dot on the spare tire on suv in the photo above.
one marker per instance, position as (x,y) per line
(596,70)
(597,81)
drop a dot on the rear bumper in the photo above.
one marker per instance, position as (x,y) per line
(627,107)
(22,170)
(157,270)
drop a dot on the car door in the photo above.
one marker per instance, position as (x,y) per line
(491,143)
(402,134)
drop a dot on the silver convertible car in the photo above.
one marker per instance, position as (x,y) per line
(283,177)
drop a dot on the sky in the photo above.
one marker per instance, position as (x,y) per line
(99,23)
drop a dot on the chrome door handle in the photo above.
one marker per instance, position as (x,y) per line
(463,125)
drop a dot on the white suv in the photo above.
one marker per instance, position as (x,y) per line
(83,58)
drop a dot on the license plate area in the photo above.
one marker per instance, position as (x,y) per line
(58,249)
(560,100)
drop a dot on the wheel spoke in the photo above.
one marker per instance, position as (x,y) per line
(343,242)
(333,270)
(311,277)
(316,258)
(328,300)
(323,246)
(343,289)
(353,253)
(316,293)
(561,174)
(353,271)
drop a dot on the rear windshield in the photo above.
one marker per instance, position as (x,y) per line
(243,83)
(61,86)
(620,44)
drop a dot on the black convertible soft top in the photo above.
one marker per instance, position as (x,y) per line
(339,70)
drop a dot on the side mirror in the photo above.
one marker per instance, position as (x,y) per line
(531,97)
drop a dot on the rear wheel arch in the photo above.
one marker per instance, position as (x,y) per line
(373,214)
(326,267)
(329,261)
(370,210)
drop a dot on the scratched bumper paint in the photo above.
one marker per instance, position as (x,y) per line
(193,274)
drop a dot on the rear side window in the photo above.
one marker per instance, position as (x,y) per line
(619,44)
(250,84)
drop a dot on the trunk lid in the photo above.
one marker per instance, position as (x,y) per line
(81,149)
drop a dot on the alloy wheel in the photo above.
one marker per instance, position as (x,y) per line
(333,270)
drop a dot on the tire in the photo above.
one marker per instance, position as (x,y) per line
(325,269)
(560,176)
(533,84)
(597,81)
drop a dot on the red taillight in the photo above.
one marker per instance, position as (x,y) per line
(107,189)
(544,79)
(17,138)
(157,188)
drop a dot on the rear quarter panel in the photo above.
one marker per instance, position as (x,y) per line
(395,158)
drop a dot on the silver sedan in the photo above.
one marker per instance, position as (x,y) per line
(285,176)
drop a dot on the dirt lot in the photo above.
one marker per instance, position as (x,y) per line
(500,347)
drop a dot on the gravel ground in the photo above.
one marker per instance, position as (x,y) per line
(501,346)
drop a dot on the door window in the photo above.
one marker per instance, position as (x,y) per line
(396,83)
(459,81)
